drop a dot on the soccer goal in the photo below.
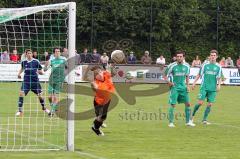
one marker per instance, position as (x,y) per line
(39,28)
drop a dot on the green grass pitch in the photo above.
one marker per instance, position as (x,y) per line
(135,131)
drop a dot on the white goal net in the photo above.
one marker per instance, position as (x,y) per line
(39,28)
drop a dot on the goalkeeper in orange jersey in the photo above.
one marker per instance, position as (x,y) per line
(103,88)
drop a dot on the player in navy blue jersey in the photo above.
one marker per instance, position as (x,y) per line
(31,68)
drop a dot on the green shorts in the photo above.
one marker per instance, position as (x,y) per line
(54,88)
(178,96)
(210,95)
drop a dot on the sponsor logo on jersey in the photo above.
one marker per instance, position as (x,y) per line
(180,74)
(211,73)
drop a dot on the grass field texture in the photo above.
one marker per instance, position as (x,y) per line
(136,129)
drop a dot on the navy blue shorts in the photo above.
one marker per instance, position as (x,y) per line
(35,87)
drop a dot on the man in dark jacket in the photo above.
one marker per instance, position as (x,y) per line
(131,58)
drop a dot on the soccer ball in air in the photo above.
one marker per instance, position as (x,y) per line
(118,56)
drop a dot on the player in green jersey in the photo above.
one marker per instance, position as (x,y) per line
(56,79)
(177,77)
(211,74)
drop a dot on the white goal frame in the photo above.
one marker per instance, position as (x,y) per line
(71,7)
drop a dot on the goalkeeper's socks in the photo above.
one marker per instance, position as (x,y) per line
(187,113)
(97,124)
(207,111)
(20,104)
(171,114)
(195,109)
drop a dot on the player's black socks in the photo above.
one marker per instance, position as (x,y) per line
(97,124)
(20,103)
(42,103)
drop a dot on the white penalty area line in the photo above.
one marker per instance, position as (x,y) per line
(226,125)
(223,125)
(89,155)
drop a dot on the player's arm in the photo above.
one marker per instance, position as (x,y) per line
(219,79)
(113,70)
(195,81)
(20,72)
(168,81)
(187,78)
(40,71)
(222,77)
(219,84)
(94,86)
(166,74)
(66,63)
(197,77)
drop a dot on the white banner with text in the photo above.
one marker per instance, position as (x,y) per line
(125,73)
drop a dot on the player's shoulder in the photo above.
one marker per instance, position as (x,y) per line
(107,73)
(172,64)
(186,64)
(24,61)
(51,57)
(218,65)
(35,60)
(205,64)
(63,58)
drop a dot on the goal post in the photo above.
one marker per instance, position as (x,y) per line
(71,77)
(40,28)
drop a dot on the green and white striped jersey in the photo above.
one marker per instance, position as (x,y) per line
(177,74)
(210,72)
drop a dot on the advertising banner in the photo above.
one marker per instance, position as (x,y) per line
(125,73)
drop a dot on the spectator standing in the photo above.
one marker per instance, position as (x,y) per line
(52,56)
(197,62)
(161,60)
(104,59)
(35,55)
(5,58)
(131,58)
(45,57)
(65,52)
(174,59)
(14,56)
(229,62)
(86,57)
(77,58)
(146,59)
(96,56)
(23,57)
(207,60)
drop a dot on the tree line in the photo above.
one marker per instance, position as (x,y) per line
(160,26)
